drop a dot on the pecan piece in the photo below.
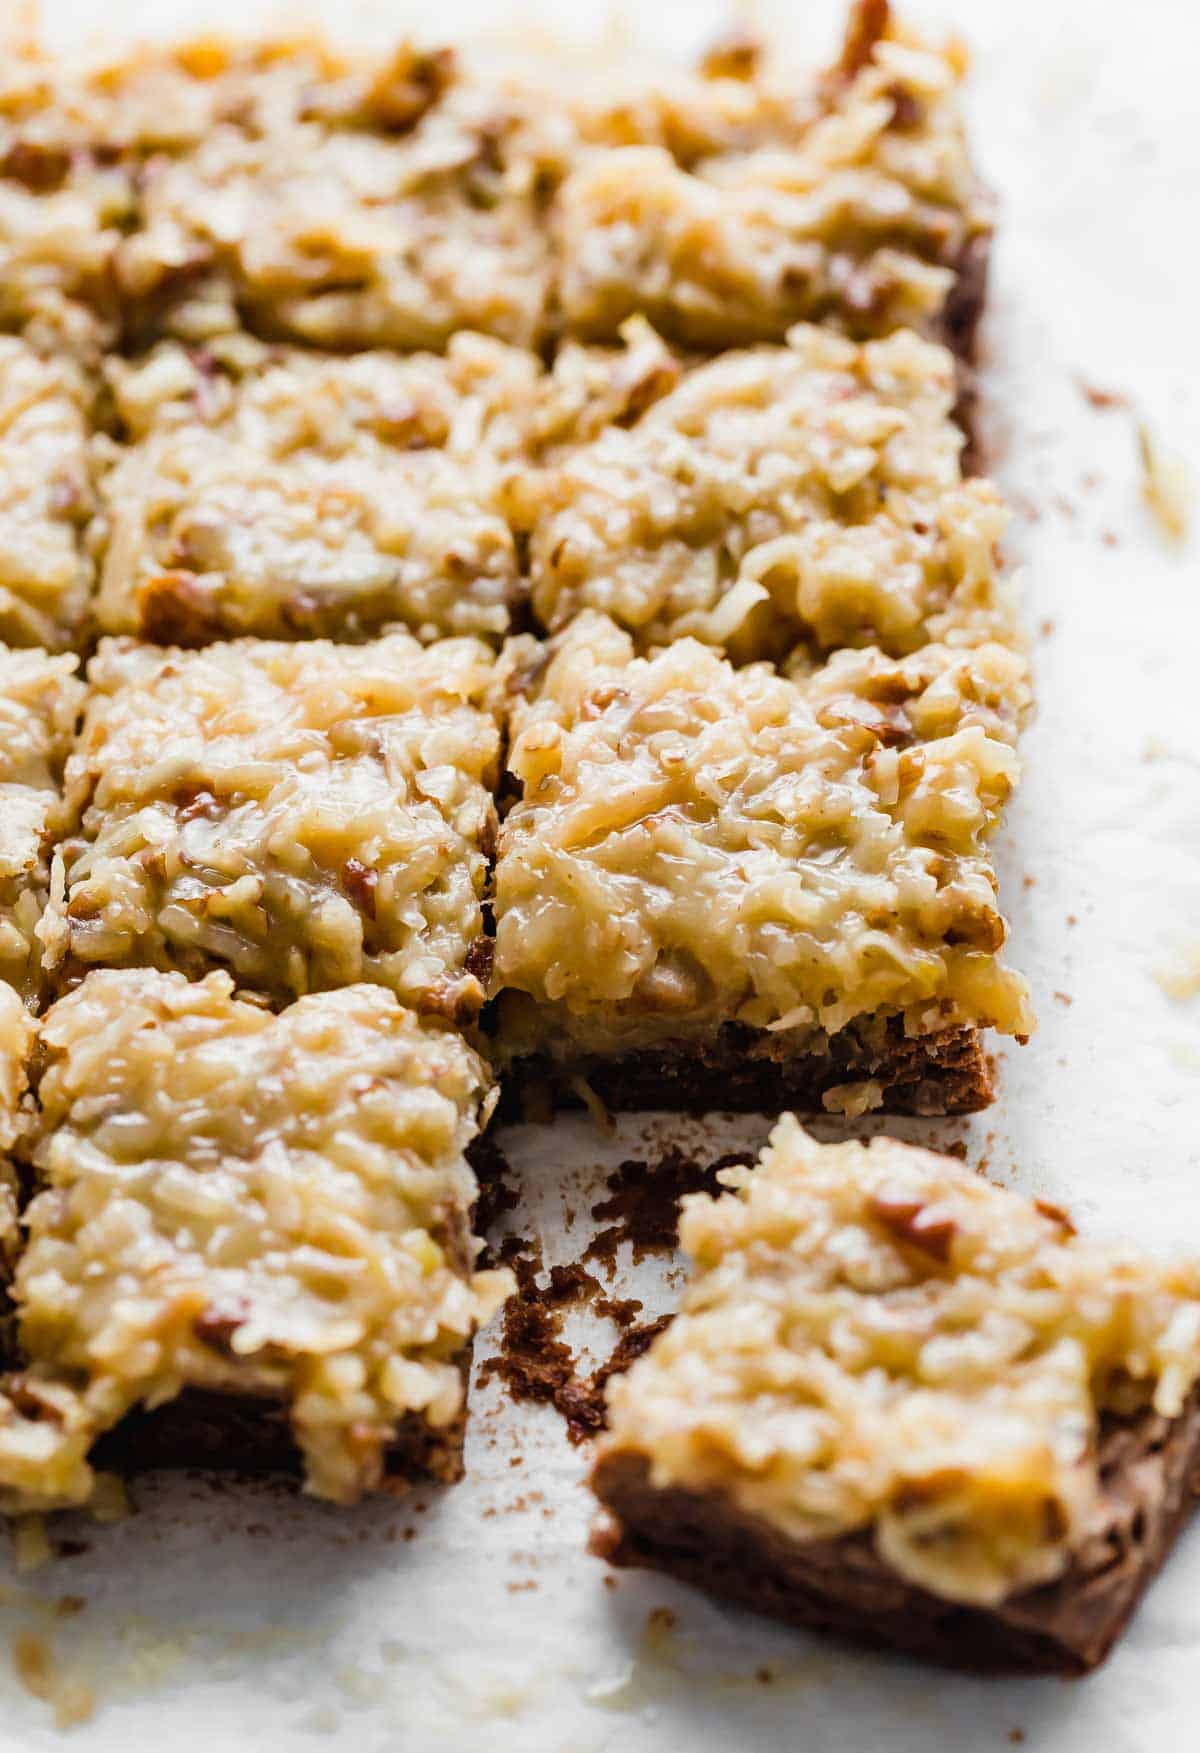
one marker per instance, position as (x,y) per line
(915,1223)
(360,883)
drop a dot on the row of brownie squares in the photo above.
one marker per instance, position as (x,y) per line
(391,200)
(779,502)
(693,848)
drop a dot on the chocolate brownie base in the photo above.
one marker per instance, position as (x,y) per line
(749,1071)
(963,310)
(241,1434)
(959,332)
(1150,1477)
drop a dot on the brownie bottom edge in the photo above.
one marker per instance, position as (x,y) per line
(743,1071)
(1150,1479)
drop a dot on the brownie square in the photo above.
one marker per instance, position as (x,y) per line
(384,202)
(45,500)
(64,205)
(40,700)
(808,495)
(730,885)
(848,199)
(307,815)
(908,1407)
(259,1221)
(291,494)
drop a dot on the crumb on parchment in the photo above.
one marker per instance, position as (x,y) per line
(73,1701)
(1167,485)
(1180,976)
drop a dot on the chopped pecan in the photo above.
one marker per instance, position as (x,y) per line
(408,86)
(65,494)
(360,883)
(600,699)
(641,383)
(30,1399)
(409,426)
(194,800)
(40,168)
(889,724)
(984,930)
(1056,1214)
(867,23)
(489,832)
(479,960)
(457,999)
(914,1223)
(219,1322)
(175,610)
(907,111)
(735,54)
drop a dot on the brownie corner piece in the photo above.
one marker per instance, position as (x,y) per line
(882,1464)
(249,1243)
(692,217)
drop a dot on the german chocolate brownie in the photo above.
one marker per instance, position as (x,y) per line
(249,1234)
(910,1408)
(774,886)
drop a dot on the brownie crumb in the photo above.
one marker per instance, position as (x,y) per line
(1103,400)
(643,1207)
(534,1362)
(498,1192)
(621,1311)
(629,1348)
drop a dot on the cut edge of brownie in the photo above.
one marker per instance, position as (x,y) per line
(751,1071)
(1150,1478)
(250,1434)
(958,331)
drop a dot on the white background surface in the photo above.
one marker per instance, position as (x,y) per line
(222,1617)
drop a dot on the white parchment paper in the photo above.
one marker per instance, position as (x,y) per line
(230,1616)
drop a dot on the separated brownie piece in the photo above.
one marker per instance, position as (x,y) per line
(289,494)
(849,201)
(45,499)
(306,815)
(384,203)
(910,1407)
(269,1214)
(40,700)
(809,494)
(724,886)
